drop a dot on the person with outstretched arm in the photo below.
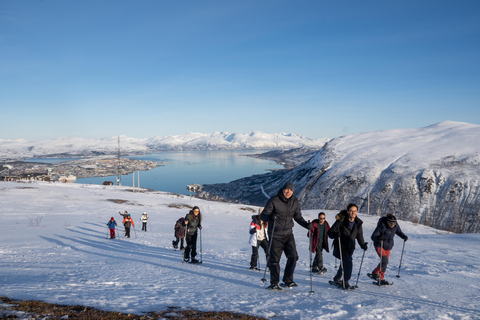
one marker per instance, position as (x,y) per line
(280,212)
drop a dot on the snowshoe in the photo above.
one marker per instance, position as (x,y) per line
(372,276)
(195,261)
(339,284)
(289,284)
(274,287)
(383,283)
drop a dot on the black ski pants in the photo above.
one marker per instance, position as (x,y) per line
(283,244)
(318,261)
(144,226)
(191,246)
(254,259)
(347,267)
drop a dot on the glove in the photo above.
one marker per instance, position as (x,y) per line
(405,239)
(381,237)
(200,227)
(365,246)
(310,227)
(253,230)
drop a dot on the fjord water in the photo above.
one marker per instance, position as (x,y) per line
(181,168)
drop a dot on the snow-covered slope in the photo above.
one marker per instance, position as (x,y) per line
(54,248)
(428,175)
(17,149)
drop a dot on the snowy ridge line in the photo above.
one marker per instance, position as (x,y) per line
(65,147)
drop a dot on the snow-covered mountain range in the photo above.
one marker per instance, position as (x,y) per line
(21,149)
(428,175)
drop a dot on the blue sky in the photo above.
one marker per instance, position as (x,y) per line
(320,68)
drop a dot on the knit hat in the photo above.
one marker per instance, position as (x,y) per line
(112,219)
(391,218)
(289,186)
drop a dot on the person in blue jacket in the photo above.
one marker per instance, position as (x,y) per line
(111,225)
(382,237)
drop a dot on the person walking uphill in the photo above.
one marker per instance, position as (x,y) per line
(111,225)
(128,223)
(382,237)
(280,212)
(179,233)
(144,219)
(344,232)
(258,238)
(193,222)
(319,236)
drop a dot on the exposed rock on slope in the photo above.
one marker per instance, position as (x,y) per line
(428,175)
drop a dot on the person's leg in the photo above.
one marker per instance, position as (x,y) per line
(254,258)
(274,263)
(290,250)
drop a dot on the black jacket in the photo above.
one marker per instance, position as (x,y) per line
(347,236)
(388,234)
(280,212)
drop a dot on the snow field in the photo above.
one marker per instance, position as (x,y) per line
(54,248)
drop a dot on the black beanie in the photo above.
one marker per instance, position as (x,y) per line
(289,186)
(391,218)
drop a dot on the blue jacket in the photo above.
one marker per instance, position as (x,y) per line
(388,234)
(111,224)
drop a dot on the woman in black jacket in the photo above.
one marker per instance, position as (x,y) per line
(382,237)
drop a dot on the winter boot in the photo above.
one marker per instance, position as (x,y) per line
(274,287)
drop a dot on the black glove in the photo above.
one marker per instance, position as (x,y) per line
(253,230)
(310,226)
(405,239)
(364,246)
(381,237)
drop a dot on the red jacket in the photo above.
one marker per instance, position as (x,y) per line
(315,236)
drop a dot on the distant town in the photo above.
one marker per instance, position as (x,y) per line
(69,171)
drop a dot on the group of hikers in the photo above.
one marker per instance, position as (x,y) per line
(272,230)
(127,223)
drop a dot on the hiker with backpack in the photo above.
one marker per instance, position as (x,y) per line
(144,219)
(382,236)
(111,225)
(179,233)
(128,223)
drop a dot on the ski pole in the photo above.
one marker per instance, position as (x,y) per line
(361,263)
(108,229)
(201,256)
(310,254)
(381,252)
(398,275)
(269,252)
(135,231)
(341,262)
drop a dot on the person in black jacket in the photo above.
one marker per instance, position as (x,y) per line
(382,237)
(345,231)
(280,212)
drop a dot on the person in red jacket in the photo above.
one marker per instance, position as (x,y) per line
(319,240)
(128,223)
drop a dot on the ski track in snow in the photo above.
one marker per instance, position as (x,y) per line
(54,248)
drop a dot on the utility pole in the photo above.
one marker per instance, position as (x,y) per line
(119,179)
